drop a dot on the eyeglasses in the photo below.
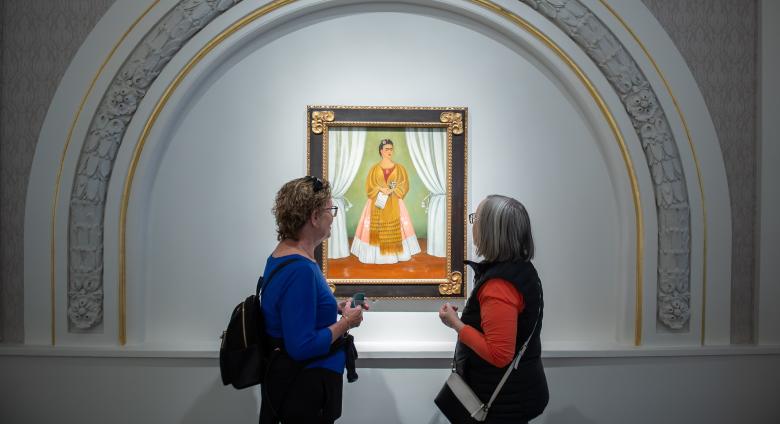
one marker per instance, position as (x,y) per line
(316,183)
(334,210)
(472,218)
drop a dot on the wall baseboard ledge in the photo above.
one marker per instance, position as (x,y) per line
(411,350)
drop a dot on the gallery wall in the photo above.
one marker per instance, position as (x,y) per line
(83,12)
(190,196)
(39,41)
(719,40)
(581,113)
(769,200)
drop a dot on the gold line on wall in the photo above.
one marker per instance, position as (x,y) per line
(615,130)
(58,181)
(693,153)
(214,42)
(278,4)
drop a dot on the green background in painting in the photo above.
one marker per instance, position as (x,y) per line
(417,191)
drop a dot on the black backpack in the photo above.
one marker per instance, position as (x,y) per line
(245,349)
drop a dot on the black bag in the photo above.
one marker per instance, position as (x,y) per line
(245,349)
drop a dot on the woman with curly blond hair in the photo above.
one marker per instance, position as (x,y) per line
(304,380)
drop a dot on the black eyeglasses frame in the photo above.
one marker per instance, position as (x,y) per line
(334,210)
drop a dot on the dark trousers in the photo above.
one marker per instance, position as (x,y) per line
(313,396)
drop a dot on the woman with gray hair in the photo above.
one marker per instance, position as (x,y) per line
(503,312)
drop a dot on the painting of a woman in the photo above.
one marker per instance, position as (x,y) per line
(384,234)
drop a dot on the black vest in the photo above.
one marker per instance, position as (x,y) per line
(524,395)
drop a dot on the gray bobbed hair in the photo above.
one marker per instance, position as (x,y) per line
(503,230)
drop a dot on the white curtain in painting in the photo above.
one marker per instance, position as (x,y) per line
(428,148)
(345,150)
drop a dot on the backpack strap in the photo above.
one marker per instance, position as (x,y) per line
(261,282)
(337,345)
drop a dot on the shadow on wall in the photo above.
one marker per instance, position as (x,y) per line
(566,415)
(362,403)
(369,400)
(224,404)
(438,418)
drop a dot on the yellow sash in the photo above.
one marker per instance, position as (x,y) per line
(385,230)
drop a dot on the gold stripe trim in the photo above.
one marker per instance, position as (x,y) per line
(214,42)
(58,181)
(280,3)
(618,136)
(693,153)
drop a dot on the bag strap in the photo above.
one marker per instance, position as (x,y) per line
(261,282)
(516,361)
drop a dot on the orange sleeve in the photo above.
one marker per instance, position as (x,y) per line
(500,303)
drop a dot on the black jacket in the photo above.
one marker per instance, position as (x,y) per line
(524,395)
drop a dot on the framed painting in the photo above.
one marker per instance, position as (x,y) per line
(398,178)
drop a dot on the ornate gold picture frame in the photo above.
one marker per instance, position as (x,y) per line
(398,177)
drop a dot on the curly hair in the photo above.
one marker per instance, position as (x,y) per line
(295,202)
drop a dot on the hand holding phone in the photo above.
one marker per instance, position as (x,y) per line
(358,299)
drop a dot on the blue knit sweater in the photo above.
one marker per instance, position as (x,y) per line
(298,307)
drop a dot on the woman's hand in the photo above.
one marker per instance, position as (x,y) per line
(350,318)
(449,316)
(353,316)
(385,190)
(343,303)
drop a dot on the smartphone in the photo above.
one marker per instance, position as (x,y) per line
(358,299)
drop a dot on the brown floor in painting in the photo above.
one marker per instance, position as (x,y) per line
(422,265)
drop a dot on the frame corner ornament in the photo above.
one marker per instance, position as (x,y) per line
(453,284)
(455,119)
(318,117)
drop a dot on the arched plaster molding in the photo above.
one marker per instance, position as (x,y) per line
(643,107)
(99,150)
(96,161)
(658,143)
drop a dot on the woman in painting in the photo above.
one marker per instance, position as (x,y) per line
(384,234)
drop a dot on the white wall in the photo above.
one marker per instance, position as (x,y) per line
(688,389)
(769,174)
